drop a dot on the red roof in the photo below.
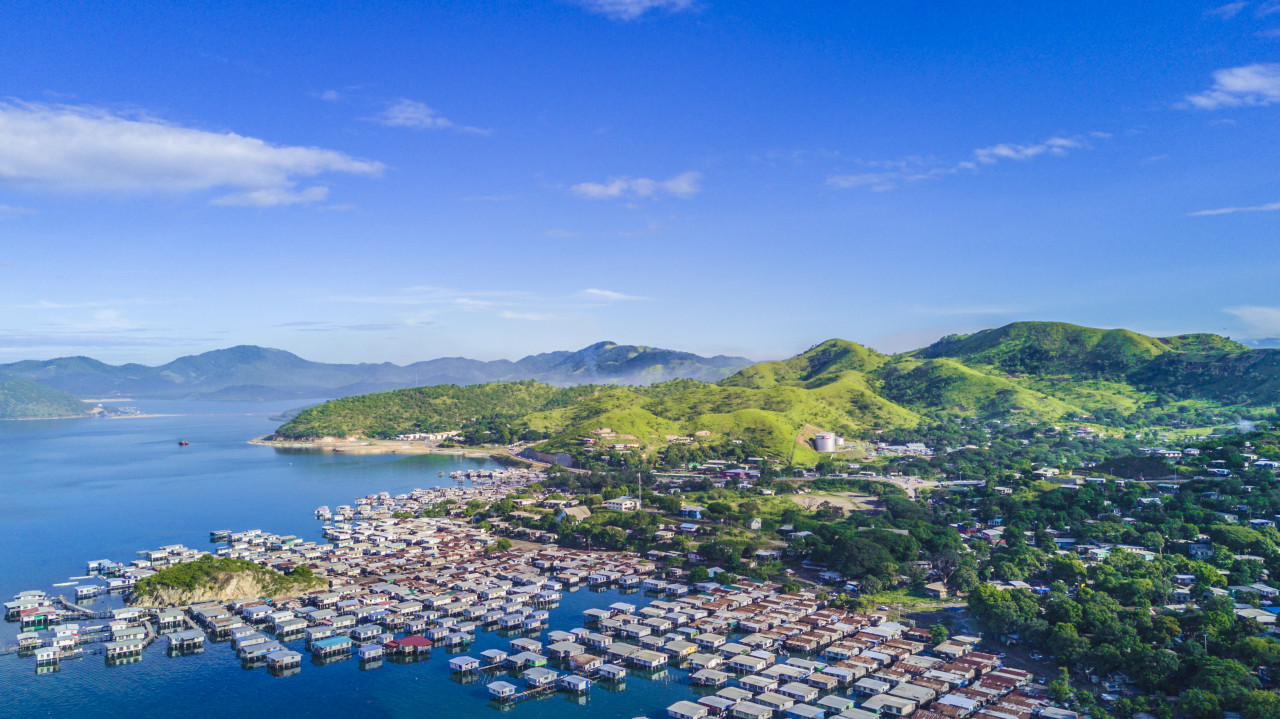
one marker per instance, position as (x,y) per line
(411,641)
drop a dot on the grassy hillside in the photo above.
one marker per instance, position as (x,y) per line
(948,387)
(23,399)
(1041,370)
(1045,348)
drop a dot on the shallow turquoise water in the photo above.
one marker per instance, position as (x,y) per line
(76,490)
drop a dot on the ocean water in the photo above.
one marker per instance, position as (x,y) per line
(76,490)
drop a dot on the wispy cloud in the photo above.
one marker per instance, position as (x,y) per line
(89,149)
(329,96)
(1053,146)
(610,295)
(1247,85)
(1227,11)
(527,316)
(1269,207)
(274,197)
(685,185)
(633,9)
(11,211)
(418,116)
(1260,320)
(888,174)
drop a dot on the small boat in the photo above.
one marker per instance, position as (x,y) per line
(183,443)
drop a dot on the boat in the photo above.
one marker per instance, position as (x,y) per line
(183,443)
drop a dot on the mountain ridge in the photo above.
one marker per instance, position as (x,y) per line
(250,372)
(1035,370)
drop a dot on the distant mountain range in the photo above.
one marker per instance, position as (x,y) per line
(1033,370)
(258,373)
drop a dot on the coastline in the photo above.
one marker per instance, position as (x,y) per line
(374,446)
(87,416)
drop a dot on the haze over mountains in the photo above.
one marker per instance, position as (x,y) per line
(258,373)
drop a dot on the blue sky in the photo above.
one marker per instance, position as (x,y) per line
(492,179)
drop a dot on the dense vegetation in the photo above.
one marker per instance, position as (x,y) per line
(1119,613)
(209,571)
(23,399)
(1110,379)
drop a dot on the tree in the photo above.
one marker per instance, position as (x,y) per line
(502,545)
(699,574)
(1060,688)
(1199,704)
(1261,705)
(668,504)
(964,579)
(1066,644)
(939,633)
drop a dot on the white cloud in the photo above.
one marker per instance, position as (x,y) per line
(11,211)
(418,116)
(330,96)
(1262,320)
(1269,207)
(632,9)
(88,149)
(890,174)
(1228,11)
(610,295)
(527,316)
(1005,151)
(1247,85)
(686,184)
(273,197)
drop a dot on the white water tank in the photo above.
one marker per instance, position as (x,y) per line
(825,442)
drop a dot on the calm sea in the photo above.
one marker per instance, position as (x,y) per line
(76,490)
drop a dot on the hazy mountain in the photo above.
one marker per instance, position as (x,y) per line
(258,373)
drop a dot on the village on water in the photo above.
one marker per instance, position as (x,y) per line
(397,586)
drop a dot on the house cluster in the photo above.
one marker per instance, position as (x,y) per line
(427,436)
(34,609)
(392,587)
(910,449)
(861,667)
(720,473)
(54,636)
(485,485)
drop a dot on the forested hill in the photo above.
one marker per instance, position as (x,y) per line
(23,399)
(260,373)
(1035,370)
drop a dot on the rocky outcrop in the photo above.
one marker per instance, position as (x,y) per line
(220,587)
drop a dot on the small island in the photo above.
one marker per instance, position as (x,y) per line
(211,579)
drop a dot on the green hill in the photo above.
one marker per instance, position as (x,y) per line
(1043,348)
(1041,370)
(949,387)
(24,399)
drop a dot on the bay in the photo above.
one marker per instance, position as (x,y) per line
(76,490)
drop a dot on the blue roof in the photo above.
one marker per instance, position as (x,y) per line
(331,642)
